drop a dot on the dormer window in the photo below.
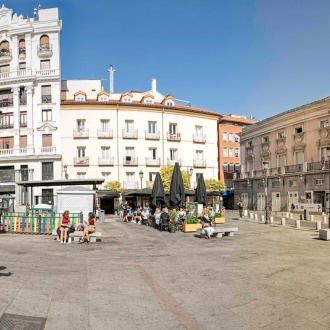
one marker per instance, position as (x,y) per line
(127,100)
(149,101)
(80,99)
(169,103)
(103,99)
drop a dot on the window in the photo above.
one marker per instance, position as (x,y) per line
(230,137)
(47,140)
(199,131)
(298,130)
(129,152)
(152,127)
(173,154)
(173,129)
(105,151)
(129,126)
(81,175)
(81,152)
(6,98)
(81,125)
(280,135)
(80,99)
(4,47)
(106,176)
(152,176)
(23,141)
(299,157)
(47,115)
(249,144)
(47,169)
(6,120)
(169,103)
(130,180)
(22,66)
(23,119)
(4,68)
(324,123)
(236,152)
(46,94)
(199,157)
(153,153)
(44,42)
(281,160)
(237,167)
(21,47)
(231,152)
(103,99)
(231,168)
(236,138)
(45,65)
(22,96)
(225,167)
(149,101)
(127,99)
(224,136)
(265,139)
(105,125)
(225,152)
(319,181)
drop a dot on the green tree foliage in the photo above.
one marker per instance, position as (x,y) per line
(166,176)
(114,186)
(215,185)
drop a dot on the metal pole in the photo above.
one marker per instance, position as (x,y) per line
(266,198)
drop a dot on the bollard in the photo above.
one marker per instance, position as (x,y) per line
(283,222)
(256,216)
(262,218)
(245,213)
(318,225)
(311,217)
(297,223)
(271,219)
(325,219)
(291,215)
(251,215)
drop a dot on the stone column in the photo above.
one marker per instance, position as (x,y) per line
(18,189)
(14,53)
(28,51)
(16,118)
(29,104)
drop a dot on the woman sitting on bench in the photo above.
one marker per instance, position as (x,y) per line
(65,225)
(89,228)
(206,224)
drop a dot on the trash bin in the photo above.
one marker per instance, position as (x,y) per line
(101,215)
(306,214)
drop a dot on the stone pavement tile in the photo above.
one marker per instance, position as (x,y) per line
(260,313)
(67,315)
(111,321)
(106,301)
(308,309)
(273,296)
(162,325)
(30,303)
(294,322)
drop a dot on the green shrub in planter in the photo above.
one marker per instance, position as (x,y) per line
(173,215)
(217,206)
(191,213)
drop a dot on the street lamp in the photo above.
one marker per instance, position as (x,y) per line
(141,177)
(190,172)
(328,154)
(266,165)
(65,170)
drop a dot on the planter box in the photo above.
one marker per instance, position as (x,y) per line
(190,227)
(220,220)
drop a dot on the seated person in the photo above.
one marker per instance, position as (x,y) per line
(129,214)
(145,215)
(89,228)
(157,216)
(65,226)
(206,224)
(182,215)
(137,216)
(164,219)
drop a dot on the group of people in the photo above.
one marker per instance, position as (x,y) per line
(139,216)
(65,225)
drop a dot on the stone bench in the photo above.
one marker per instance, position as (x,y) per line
(77,234)
(324,234)
(219,232)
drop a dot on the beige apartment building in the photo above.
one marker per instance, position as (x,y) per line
(286,157)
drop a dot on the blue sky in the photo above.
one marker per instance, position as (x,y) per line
(251,57)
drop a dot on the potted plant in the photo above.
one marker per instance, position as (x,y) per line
(191,222)
(172,222)
(218,216)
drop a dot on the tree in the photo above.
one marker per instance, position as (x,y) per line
(114,186)
(166,176)
(215,185)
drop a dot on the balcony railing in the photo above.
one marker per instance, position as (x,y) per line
(46,73)
(105,134)
(152,162)
(275,171)
(152,136)
(23,124)
(106,161)
(131,185)
(47,176)
(130,161)
(81,134)
(173,137)
(199,162)
(81,161)
(317,166)
(6,152)
(294,168)
(47,150)
(46,99)
(6,103)
(6,126)
(45,50)
(199,138)
(7,176)
(172,162)
(130,134)
(5,55)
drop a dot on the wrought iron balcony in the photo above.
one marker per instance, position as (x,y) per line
(105,134)
(47,150)
(152,136)
(199,138)
(173,161)
(80,134)
(45,50)
(199,163)
(130,134)
(5,55)
(294,168)
(6,126)
(131,185)
(81,161)
(152,162)
(46,99)
(108,161)
(174,137)
(130,161)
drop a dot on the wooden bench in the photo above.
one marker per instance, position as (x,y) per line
(77,234)
(219,232)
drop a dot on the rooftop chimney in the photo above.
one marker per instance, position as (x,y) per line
(153,86)
(111,80)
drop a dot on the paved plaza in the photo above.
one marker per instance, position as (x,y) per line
(264,277)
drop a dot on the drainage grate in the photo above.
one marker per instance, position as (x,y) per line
(21,322)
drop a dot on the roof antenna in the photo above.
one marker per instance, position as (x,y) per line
(112,75)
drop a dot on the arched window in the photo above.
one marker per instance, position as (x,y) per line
(44,41)
(21,46)
(4,46)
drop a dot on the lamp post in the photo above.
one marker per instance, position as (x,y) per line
(141,177)
(190,172)
(65,170)
(266,165)
(328,154)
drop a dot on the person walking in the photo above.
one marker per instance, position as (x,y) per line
(240,209)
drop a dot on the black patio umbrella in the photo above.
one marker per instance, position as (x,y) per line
(200,192)
(157,197)
(177,195)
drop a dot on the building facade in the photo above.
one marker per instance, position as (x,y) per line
(285,159)
(30,147)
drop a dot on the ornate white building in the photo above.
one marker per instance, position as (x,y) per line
(29,101)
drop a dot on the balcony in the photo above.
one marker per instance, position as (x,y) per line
(16,152)
(152,136)
(174,137)
(199,138)
(21,53)
(130,161)
(7,176)
(5,56)
(105,134)
(81,161)
(131,185)
(23,124)
(5,103)
(45,51)
(152,162)
(47,176)
(46,99)
(171,162)
(80,134)
(200,163)
(294,168)
(47,150)
(106,161)
(317,166)
(47,73)
(6,126)
(130,134)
